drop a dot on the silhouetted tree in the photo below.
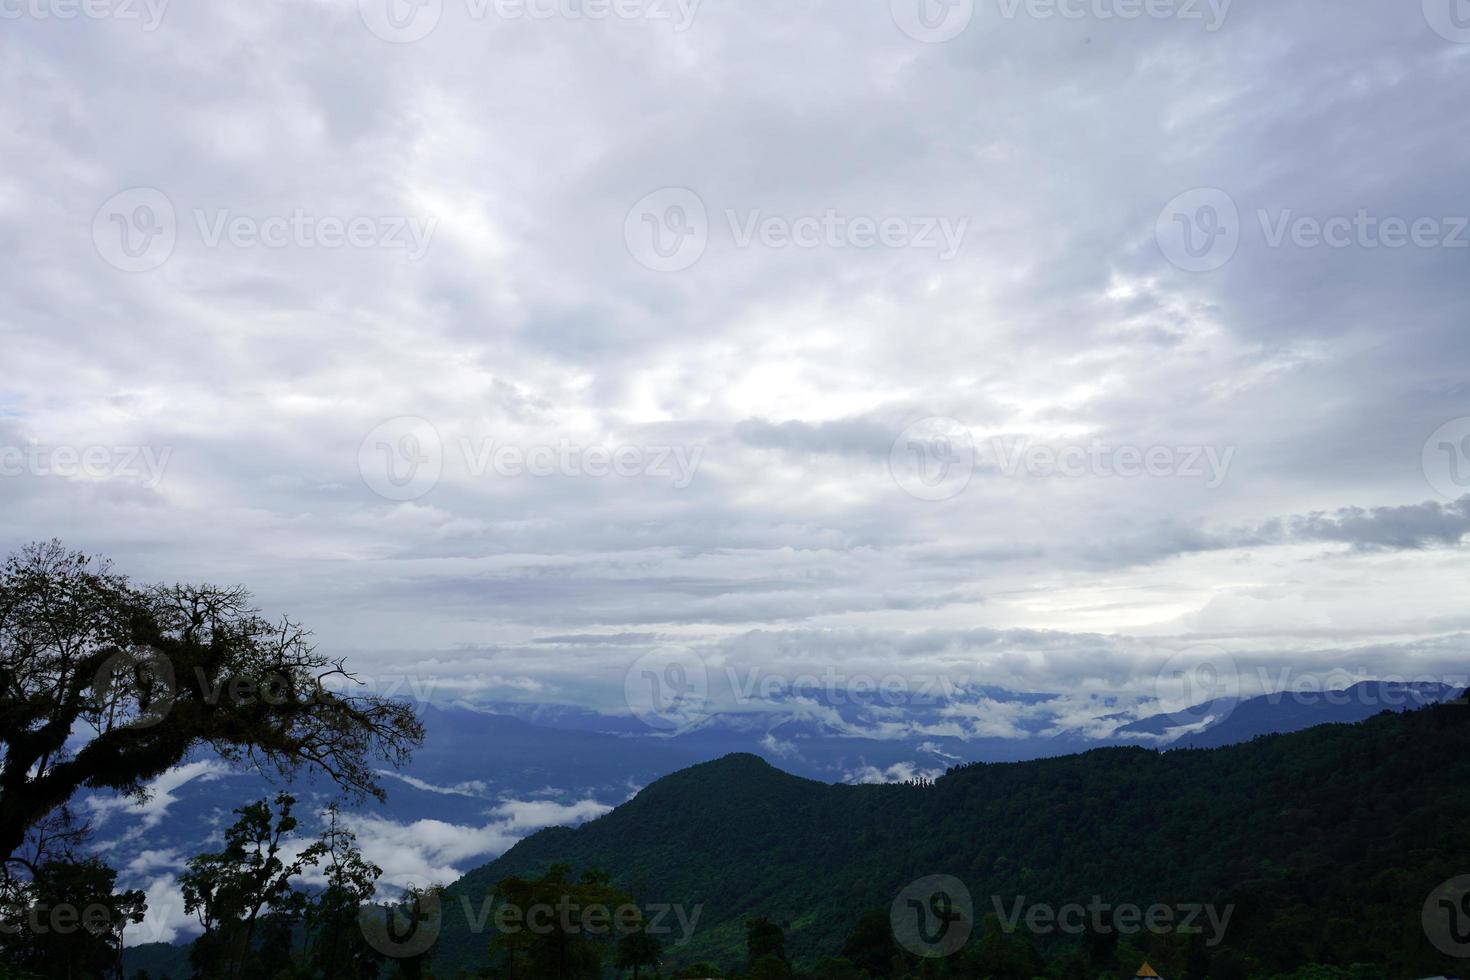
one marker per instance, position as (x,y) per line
(548,944)
(337,946)
(637,950)
(231,890)
(871,948)
(67,920)
(148,675)
(764,938)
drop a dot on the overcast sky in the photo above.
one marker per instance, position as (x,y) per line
(1035,343)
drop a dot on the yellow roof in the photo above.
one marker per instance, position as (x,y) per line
(1147,971)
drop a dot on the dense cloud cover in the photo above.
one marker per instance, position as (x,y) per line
(671,292)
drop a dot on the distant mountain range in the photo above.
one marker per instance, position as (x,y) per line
(476,758)
(1228,721)
(1322,845)
(482,764)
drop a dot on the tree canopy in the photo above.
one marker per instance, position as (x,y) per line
(106,685)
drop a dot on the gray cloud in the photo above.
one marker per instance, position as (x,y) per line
(1413,526)
(529,323)
(840,436)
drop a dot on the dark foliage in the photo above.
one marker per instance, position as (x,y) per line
(1325,842)
(152,673)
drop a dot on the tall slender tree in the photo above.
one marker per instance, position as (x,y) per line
(251,878)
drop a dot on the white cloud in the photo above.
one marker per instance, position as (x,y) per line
(473,788)
(158,796)
(152,860)
(165,921)
(528,322)
(534,814)
(934,748)
(434,851)
(899,772)
(781,748)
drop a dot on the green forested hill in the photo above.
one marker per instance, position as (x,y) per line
(1326,841)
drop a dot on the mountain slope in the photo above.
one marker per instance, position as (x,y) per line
(1326,840)
(1278,713)
(1227,721)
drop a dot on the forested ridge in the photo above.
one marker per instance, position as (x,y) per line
(1326,843)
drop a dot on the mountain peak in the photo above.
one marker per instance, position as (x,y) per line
(744,768)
